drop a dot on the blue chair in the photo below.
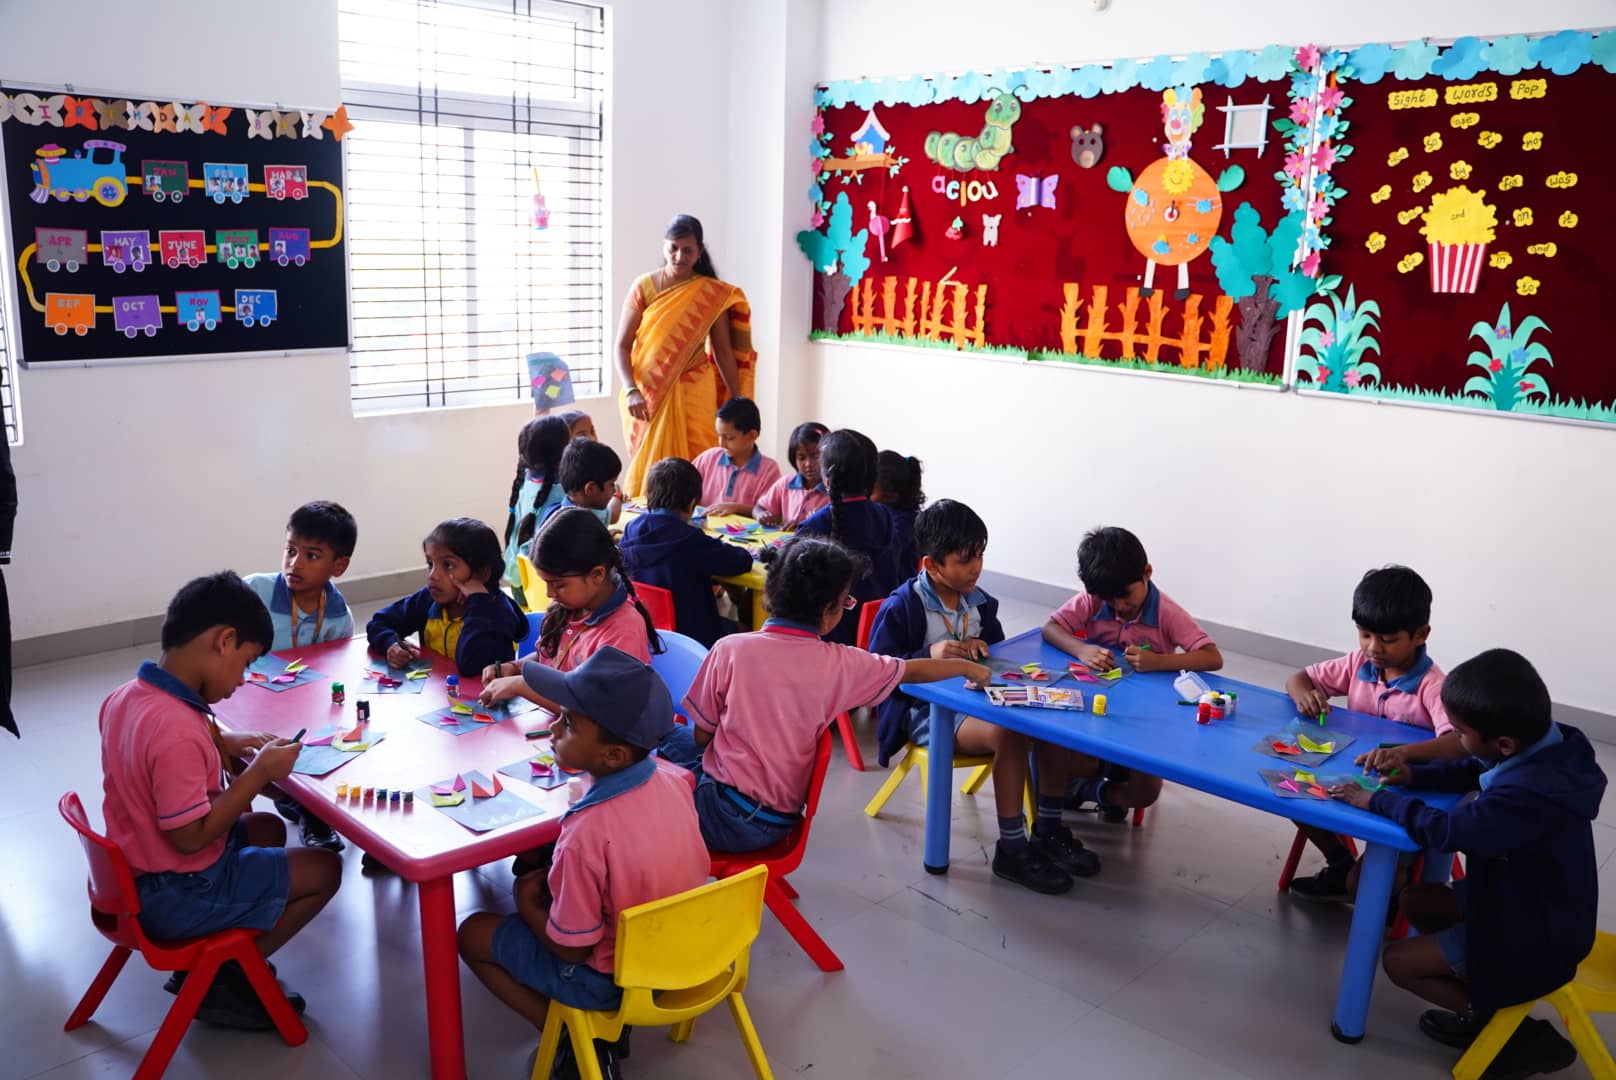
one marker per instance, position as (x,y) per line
(678,663)
(531,642)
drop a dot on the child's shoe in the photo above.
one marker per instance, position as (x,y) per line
(289,808)
(1327,886)
(317,833)
(1534,1048)
(1090,795)
(1030,867)
(1065,850)
(1457,1030)
(371,866)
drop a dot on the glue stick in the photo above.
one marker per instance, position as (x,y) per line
(1099,704)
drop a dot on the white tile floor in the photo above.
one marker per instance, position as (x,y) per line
(1180,959)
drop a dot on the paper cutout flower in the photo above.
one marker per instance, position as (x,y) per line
(1326,339)
(1433,142)
(1324,157)
(1496,365)
(114,114)
(1568,220)
(1322,374)
(337,123)
(1376,241)
(1352,378)
(1459,216)
(1178,176)
(1310,265)
(818,126)
(1527,286)
(1488,139)
(1301,110)
(1459,170)
(187,118)
(1330,98)
(80,112)
(1307,57)
(163,119)
(1296,165)
(143,117)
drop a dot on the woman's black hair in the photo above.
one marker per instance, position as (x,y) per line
(474,544)
(573,541)
(847,462)
(685,225)
(539,447)
(899,476)
(808,575)
(672,484)
(807,434)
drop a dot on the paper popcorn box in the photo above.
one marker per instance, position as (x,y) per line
(1456,268)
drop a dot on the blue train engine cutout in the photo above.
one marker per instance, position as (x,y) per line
(258,306)
(198,310)
(96,171)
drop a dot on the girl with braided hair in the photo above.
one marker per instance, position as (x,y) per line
(536,487)
(847,460)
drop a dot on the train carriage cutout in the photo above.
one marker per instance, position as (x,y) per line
(136,314)
(182,247)
(260,306)
(288,246)
(126,250)
(198,310)
(224,180)
(165,180)
(61,249)
(96,171)
(70,311)
(237,247)
(286,181)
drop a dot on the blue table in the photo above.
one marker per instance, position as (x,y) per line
(1145,728)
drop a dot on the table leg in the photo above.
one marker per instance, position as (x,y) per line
(1363,943)
(939,788)
(442,962)
(760,612)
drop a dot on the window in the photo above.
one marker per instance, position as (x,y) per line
(8,385)
(465,113)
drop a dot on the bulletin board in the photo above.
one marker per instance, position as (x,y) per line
(144,229)
(1470,245)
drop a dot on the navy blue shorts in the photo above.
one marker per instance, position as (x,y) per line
(725,825)
(920,724)
(531,964)
(246,887)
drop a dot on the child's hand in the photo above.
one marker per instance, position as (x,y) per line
(275,760)
(768,517)
(501,689)
(724,509)
(1391,762)
(471,587)
(532,892)
(1311,702)
(401,653)
(978,674)
(1096,658)
(949,649)
(237,743)
(1351,794)
(1141,659)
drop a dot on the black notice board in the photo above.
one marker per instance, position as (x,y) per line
(245,245)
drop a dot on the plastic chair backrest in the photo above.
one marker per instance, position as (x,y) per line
(112,883)
(685,940)
(866,625)
(658,604)
(678,663)
(533,588)
(816,782)
(535,619)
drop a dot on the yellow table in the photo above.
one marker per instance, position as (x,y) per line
(753,578)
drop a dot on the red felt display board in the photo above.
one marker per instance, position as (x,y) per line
(1082,240)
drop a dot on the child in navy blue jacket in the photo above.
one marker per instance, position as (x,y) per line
(1523,918)
(847,459)
(461,612)
(897,487)
(662,548)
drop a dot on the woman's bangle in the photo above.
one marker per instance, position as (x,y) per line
(627,390)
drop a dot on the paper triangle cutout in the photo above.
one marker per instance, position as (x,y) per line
(1315,790)
(482,718)
(1285,748)
(449,721)
(1290,785)
(296,666)
(384,682)
(283,677)
(459,783)
(541,768)
(257,676)
(454,798)
(443,787)
(1305,777)
(481,789)
(324,738)
(1114,673)
(354,734)
(461,709)
(1315,747)
(419,673)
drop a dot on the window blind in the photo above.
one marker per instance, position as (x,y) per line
(463,110)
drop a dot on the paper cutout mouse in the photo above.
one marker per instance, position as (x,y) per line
(990,229)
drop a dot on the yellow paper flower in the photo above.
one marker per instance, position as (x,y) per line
(1489,139)
(1381,194)
(1568,220)
(1527,286)
(1422,181)
(1433,142)
(1500,260)
(1532,140)
(1375,242)
(1459,216)
(1548,251)
(1523,216)
(1178,176)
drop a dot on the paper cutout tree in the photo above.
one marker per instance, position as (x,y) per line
(838,255)
(1510,352)
(1255,269)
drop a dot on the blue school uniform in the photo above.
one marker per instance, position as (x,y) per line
(909,622)
(486,634)
(661,549)
(333,622)
(903,525)
(867,528)
(527,502)
(566,503)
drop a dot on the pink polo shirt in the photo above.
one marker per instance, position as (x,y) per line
(722,481)
(638,845)
(617,622)
(1414,698)
(1161,623)
(766,696)
(792,502)
(161,770)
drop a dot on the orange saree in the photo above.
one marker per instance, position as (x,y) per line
(675,371)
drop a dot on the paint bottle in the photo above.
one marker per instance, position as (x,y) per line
(451,685)
(1216,707)
(1203,712)
(362,710)
(1099,704)
(339,693)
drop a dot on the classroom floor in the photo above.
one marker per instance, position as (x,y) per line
(1180,959)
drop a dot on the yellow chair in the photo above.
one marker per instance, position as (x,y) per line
(916,756)
(535,597)
(1592,991)
(676,959)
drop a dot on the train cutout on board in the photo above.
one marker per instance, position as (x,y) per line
(97,171)
(199,309)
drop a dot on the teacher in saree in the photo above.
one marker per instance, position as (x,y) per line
(683,349)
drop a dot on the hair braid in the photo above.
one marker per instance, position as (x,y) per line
(516,493)
(619,568)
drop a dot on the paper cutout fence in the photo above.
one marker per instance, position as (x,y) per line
(1146,344)
(942,314)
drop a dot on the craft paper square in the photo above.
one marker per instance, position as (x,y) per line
(1298,755)
(266,669)
(320,756)
(482,815)
(458,723)
(371,684)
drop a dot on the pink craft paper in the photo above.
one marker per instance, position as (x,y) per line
(444,787)
(284,678)
(1290,785)
(540,768)
(321,740)
(459,782)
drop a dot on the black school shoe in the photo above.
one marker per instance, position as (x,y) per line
(1067,852)
(1534,1048)
(1328,886)
(231,1001)
(317,833)
(371,866)
(289,809)
(606,1055)
(1031,868)
(1457,1030)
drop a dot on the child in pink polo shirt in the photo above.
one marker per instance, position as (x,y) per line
(202,862)
(735,473)
(791,500)
(1121,608)
(760,700)
(631,840)
(1390,675)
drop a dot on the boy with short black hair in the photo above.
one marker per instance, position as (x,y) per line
(942,614)
(588,475)
(202,861)
(632,839)
(1122,608)
(662,548)
(307,608)
(1524,916)
(1390,675)
(735,473)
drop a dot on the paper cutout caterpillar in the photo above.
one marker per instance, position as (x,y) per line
(990,145)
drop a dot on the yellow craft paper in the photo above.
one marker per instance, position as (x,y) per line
(454,798)
(1532,140)
(1114,673)
(1305,777)
(1433,142)
(1459,216)
(419,673)
(1561,179)
(1568,220)
(1527,286)
(461,709)
(1314,747)
(1376,241)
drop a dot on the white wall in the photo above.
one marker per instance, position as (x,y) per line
(134,478)
(1259,510)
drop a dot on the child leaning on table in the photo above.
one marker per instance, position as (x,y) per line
(631,840)
(735,473)
(1524,916)
(1122,607)
(1390,675)
(761,700)
(202,862)
(791,500)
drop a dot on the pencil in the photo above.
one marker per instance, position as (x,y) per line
(299,736)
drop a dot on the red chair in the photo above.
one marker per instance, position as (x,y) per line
(783,858)
(1298,845)
(844,722)
(658,604)
(114,907)
(1399,927)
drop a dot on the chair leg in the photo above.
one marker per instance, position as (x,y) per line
(583,1048)
(749,1038)
(1490,1042)
(1583,1034)
(797,926)
(1138,816)
(180,1015)
(682,1031)
(1029,803)
(104,979)
(549,1043)
(978,777)
(890,788)
(272,996)
(855,757)
(1298,845)
(785,887)
(1458,868)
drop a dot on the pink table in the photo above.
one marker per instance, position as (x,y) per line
(419,843)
